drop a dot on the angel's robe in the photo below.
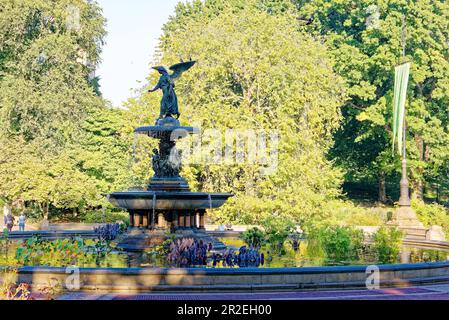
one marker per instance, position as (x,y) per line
(169,102)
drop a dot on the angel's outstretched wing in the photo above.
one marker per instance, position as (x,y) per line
(179,68)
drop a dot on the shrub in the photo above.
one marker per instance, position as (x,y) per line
(253,237)
(314,250)
(61,252)
(276,233)
(109,231)
(105,217)
(387,242)
(431,214)
(10,289)
(187,252)
(346,213)
(340,243)
(245,257)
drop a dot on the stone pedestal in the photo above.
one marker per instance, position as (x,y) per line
(435,233)
(405,216)
(405,219)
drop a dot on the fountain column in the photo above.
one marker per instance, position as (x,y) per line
(197,219)
(161,223)
(192,220)
(144,221)
(202,212)
(175,219)
(187,219)
(131,219)
(136,219)
(181,223)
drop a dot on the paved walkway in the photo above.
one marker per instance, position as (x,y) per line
(432,292)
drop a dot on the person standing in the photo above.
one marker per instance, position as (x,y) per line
(22,221)
(9,222)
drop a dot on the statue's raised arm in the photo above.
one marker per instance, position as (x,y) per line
(169,102)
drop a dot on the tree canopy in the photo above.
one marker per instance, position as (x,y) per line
(366,40)
(256,70)
(52,121)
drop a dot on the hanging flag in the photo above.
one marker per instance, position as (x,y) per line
(400,91)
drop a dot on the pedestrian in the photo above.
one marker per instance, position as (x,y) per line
(9,221)
(22,221)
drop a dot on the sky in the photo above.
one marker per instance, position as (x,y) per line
(133,27)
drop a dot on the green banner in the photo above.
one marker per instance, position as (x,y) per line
(400,91)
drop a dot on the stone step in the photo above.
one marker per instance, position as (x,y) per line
(414,233)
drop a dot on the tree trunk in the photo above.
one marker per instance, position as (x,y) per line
(382,189)
(417,189)
(46,211)
(438,192)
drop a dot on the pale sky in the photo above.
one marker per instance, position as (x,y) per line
(134,27)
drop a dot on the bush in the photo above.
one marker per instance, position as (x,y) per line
(276,233)
(109,231)
(346,213)
(387,244)
(340,243)
(105,217)
(253,237)
(431,214)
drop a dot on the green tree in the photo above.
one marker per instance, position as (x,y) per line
(255,70)
(48,50)
(366,40)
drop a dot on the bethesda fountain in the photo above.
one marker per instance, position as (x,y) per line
(167,203)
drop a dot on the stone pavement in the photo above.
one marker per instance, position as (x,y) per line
(431,292)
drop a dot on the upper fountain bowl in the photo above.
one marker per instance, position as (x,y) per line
(167,125)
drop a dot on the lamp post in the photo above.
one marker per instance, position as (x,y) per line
(404,199)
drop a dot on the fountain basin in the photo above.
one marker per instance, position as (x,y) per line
(176,132)
(143,200)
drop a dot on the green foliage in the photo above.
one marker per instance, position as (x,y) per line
(276,233)
(432,214)
(61,148)
(340,243)
(256,71)
(9,289)
(5,248)
(315,249)
(365,40)
(253,237)
(106,216)
(387,244)
(63,252)
(347,214)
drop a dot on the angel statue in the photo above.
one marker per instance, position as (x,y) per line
(169,102)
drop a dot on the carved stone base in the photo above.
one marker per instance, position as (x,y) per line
(406,220)
(405,216)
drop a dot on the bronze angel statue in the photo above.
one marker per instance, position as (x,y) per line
(169,102)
